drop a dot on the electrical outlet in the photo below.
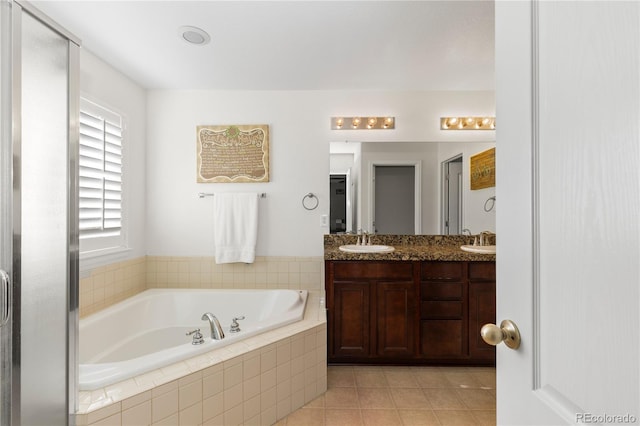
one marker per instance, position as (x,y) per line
(324,220)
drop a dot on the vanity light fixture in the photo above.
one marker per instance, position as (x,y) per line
(194,35)
(467,123)
(362,123)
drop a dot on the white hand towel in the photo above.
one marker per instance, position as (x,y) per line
(235,227)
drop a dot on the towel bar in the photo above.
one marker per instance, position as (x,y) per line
(210,194)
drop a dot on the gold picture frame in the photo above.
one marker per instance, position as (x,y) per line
(232,153)
(483,169)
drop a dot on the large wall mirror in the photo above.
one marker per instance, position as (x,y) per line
(407,188)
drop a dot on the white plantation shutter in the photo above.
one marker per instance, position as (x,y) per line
(100,174)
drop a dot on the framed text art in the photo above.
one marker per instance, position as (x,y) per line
(233,153)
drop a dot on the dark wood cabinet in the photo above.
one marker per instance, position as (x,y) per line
(351,317)
(482,307)
(443,310)
(372,310)
(409,312)
(395,313)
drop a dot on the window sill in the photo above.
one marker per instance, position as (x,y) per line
(90,260)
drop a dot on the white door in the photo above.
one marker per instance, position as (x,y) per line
(567,144)
(452,196)
(394,200)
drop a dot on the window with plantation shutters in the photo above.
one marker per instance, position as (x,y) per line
(100,208)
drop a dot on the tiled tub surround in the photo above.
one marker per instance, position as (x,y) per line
(110,284)
(107,285)
(253,382)
(409,247)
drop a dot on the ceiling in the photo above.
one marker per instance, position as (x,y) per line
(290,45)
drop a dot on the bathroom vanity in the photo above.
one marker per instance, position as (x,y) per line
(423,303)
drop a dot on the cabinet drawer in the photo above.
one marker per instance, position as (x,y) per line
(442,271)
(482,271)
(431,291)
(440,309)
(368,270)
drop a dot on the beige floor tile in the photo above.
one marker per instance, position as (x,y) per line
(485,417)
(409,398)
(341,398)
(401,378)
(428,377)
(306,417)
(444,399)
(366,395)
(381,418)
(338,376)
(375,398)
(370,378)
(342,417)
(418,418)
(462,380)
(316,403)
(487,379)
(478,399)
(455,418)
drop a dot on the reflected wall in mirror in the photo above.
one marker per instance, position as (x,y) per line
(436,205)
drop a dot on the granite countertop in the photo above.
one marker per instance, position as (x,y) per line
(409,248)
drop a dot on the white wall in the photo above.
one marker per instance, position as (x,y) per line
(179,223)
(101,83)
(474,217)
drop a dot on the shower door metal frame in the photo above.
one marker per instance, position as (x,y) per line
(6,194)
(11,146)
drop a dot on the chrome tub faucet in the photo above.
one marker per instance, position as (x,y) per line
(216,329)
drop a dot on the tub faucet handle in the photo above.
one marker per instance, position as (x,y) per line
(235,327)
(197,336)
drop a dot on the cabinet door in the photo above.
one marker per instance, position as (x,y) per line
(482,307)
(482,310)
(396,314)
(351,316)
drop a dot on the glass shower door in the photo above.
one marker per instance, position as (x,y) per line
(38,217)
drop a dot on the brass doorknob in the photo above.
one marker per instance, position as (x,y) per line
(507,332)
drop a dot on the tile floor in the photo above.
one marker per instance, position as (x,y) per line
(388,396)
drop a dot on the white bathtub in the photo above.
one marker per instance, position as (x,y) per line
(148,331)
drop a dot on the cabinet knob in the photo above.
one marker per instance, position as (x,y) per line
(507,332)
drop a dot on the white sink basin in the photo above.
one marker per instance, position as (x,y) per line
(479,249)
(375,248)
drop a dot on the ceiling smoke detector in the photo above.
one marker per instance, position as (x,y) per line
(194,35)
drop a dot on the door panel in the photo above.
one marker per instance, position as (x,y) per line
(44,237)
(352,313)
(396,318)
(394,210)
(567,223)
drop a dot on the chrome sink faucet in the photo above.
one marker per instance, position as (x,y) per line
(216,329)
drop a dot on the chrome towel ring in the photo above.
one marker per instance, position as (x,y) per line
(489,204)
(310,205)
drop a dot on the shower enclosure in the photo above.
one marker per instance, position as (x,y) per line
(38,208)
